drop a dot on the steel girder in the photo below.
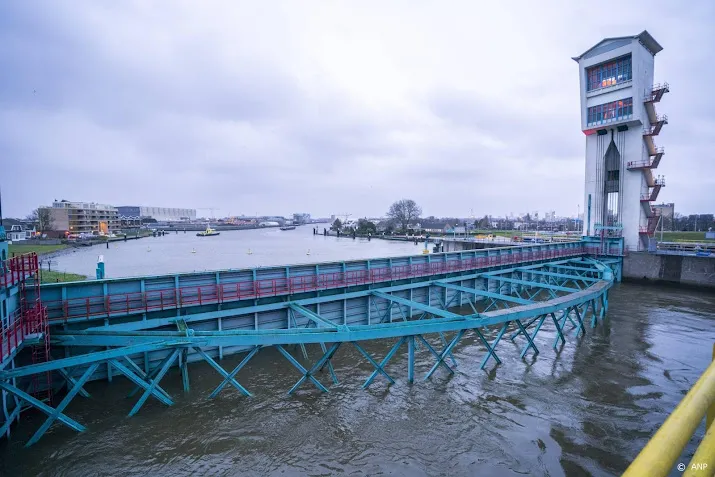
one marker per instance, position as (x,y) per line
(526,318)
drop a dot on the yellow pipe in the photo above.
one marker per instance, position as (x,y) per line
(711,411)
(703,462)
(659,456)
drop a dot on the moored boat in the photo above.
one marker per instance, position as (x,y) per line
(209,232)
(288,227)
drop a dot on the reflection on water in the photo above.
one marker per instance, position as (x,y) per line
(185,252)
(585,410)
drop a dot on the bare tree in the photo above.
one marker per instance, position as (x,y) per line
(404,211)
(42,218)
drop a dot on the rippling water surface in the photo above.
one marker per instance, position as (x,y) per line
(585,410)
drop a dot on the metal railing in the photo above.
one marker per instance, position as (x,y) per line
(12,335)
(659,456)
(170,298)
(16,269)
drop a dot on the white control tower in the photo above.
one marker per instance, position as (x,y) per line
(619,120)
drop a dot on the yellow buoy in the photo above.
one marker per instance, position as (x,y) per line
(308,252)
(249,252)
(148,249)
(193,250)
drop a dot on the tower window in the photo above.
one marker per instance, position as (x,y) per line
(609,112)
(612,175)
(609,73)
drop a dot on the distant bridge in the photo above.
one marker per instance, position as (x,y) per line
(141,327)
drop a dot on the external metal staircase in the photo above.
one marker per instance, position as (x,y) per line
(655,154)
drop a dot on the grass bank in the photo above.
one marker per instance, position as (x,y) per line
(20,249)
(47,276)
(683,237)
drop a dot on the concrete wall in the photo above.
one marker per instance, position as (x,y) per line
(681,269)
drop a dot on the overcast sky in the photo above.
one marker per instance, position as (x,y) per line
(331,107)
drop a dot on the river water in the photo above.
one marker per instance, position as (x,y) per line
(587,409)
(185,252)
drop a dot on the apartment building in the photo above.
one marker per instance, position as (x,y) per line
(84,217)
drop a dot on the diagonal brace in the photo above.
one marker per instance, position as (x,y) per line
(490,349)
(300,368)
(157,393)
(62,405)
(327,356)
(69,422)
(144,378)
(530,339)
(436,354)
(155,382)
(71,382)
(444,353)
(228,378)
(559,330)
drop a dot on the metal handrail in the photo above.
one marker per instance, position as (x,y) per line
(153,300)
(659,456)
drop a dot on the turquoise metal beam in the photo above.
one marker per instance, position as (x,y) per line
(444,353)
(229,378)
(310,374)
(153,345)
(410,359)
(437,355)
(183,359)
(531,284)
(575,269)
(530,339)
(138,381)
(374,363)
(145,377)
(23,396)
(475,291)
(490,349)
(329,364)
(71,382)
(419,306)
(62,405)
(9,419)
(317,335)
(319,320)
(380,368)
(562,275)
(559,330)
(299,367)
(168,361)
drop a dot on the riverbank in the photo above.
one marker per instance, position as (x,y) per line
(53,276)
(21,249)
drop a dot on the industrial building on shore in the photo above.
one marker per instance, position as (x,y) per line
(160,214)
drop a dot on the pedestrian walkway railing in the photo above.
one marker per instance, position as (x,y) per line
(663,452)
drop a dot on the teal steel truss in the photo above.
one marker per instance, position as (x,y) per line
(510,301)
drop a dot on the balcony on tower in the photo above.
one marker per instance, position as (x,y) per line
(654,95)
(655,126)
(651,163)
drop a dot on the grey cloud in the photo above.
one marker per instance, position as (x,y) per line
(182,113)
